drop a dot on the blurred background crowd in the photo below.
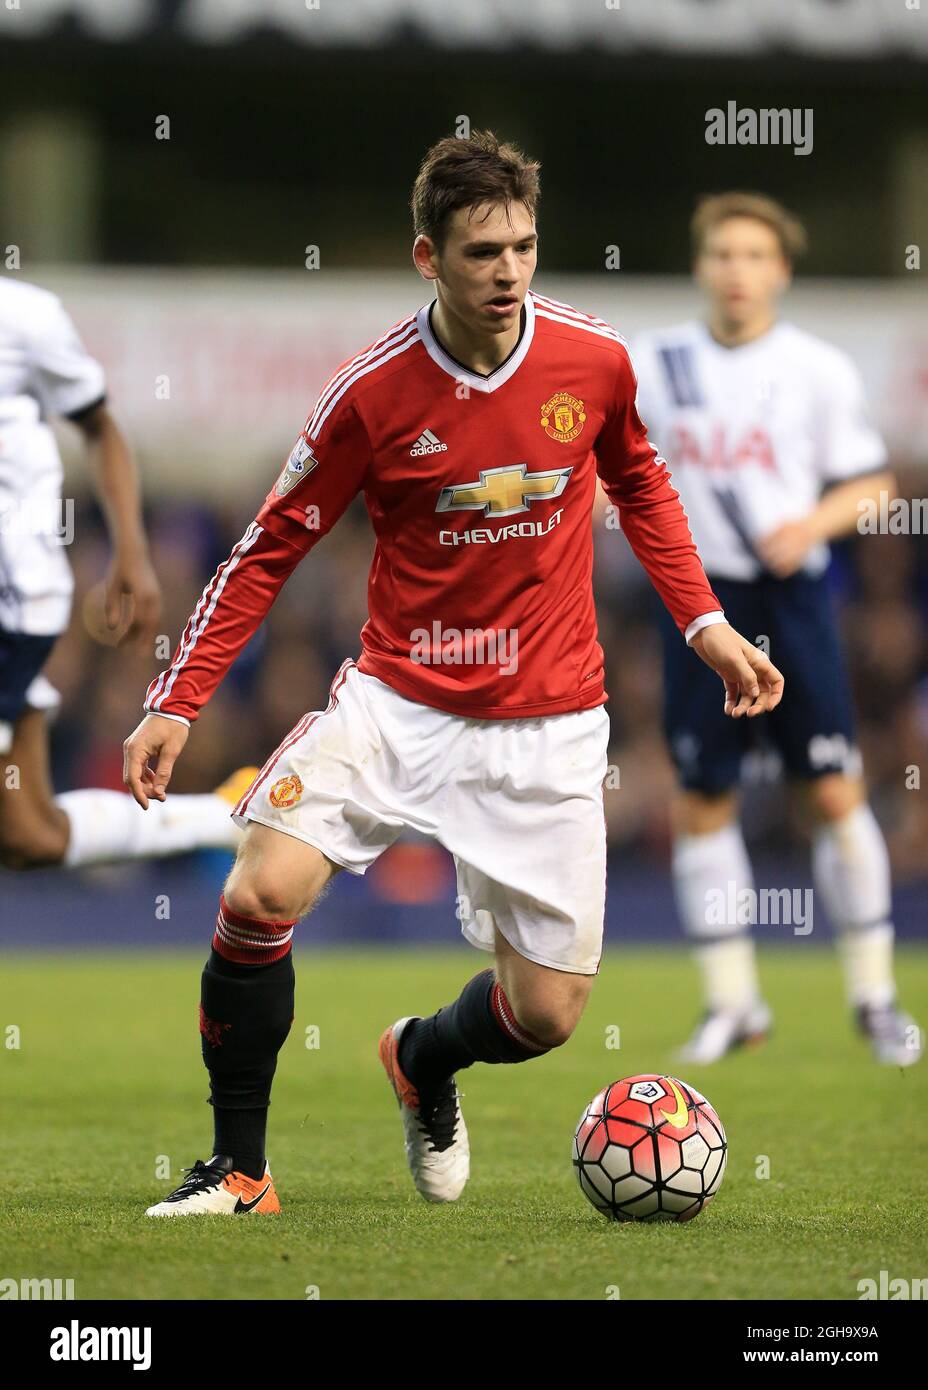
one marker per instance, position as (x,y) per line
(880,585)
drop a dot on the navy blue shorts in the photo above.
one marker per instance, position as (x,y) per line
(22,657)
(813,726)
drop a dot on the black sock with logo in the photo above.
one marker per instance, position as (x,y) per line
(245,1016)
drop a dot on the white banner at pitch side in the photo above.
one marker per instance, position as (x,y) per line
(213,375)
(858,29)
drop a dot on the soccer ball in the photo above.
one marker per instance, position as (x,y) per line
(649,1148)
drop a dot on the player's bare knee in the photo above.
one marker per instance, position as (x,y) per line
(702,813)
(262,897)
(550,1020)
(547,1004)
(258,889)
(549,1026)
(276,878)
(834,796)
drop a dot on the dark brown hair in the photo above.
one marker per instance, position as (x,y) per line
(716,208)
(464,173)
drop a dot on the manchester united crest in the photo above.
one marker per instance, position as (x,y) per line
(562,417)
(286,792)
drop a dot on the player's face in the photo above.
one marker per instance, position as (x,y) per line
(486,264)
(742,268)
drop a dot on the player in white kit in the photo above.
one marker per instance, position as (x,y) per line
(766,432)
(45,372)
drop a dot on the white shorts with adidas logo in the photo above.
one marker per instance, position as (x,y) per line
(517,802)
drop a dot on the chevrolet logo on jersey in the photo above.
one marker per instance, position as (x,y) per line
(504,491)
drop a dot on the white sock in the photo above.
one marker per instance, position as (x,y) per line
(729,975)
(107,826)
(867,957)
(709,871)
(850,867)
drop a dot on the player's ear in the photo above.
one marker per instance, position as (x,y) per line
(425,257)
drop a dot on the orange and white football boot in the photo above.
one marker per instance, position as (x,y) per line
(217,1189)
(437,1148)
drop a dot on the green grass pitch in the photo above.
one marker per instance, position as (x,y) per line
(107,1078)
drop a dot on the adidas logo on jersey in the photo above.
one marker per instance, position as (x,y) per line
(427,443)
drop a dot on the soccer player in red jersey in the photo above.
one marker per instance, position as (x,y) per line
(476,429)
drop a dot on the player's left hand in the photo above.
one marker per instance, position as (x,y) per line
(784,550)
(753,685)
(131,583)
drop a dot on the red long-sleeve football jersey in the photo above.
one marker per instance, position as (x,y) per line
(480,490)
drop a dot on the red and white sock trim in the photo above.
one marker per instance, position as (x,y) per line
(248,940)
(502,1012)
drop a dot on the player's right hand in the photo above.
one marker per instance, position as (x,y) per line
(149,755)
(753,685)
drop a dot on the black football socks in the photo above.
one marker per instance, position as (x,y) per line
(245,1017)
(478,1027)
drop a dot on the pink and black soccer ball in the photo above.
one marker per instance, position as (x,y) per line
(649,1148)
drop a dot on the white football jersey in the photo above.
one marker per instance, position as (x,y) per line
(752,434)
(44,371)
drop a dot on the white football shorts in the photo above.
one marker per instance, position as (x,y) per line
(517,802)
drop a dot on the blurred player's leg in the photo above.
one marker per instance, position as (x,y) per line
(710,859)
(96,826)
(850,863)
(713,884)
(107,825)
(850,866)
(33,830)
(246,1011)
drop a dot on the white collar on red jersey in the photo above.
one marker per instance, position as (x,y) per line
(474,380)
